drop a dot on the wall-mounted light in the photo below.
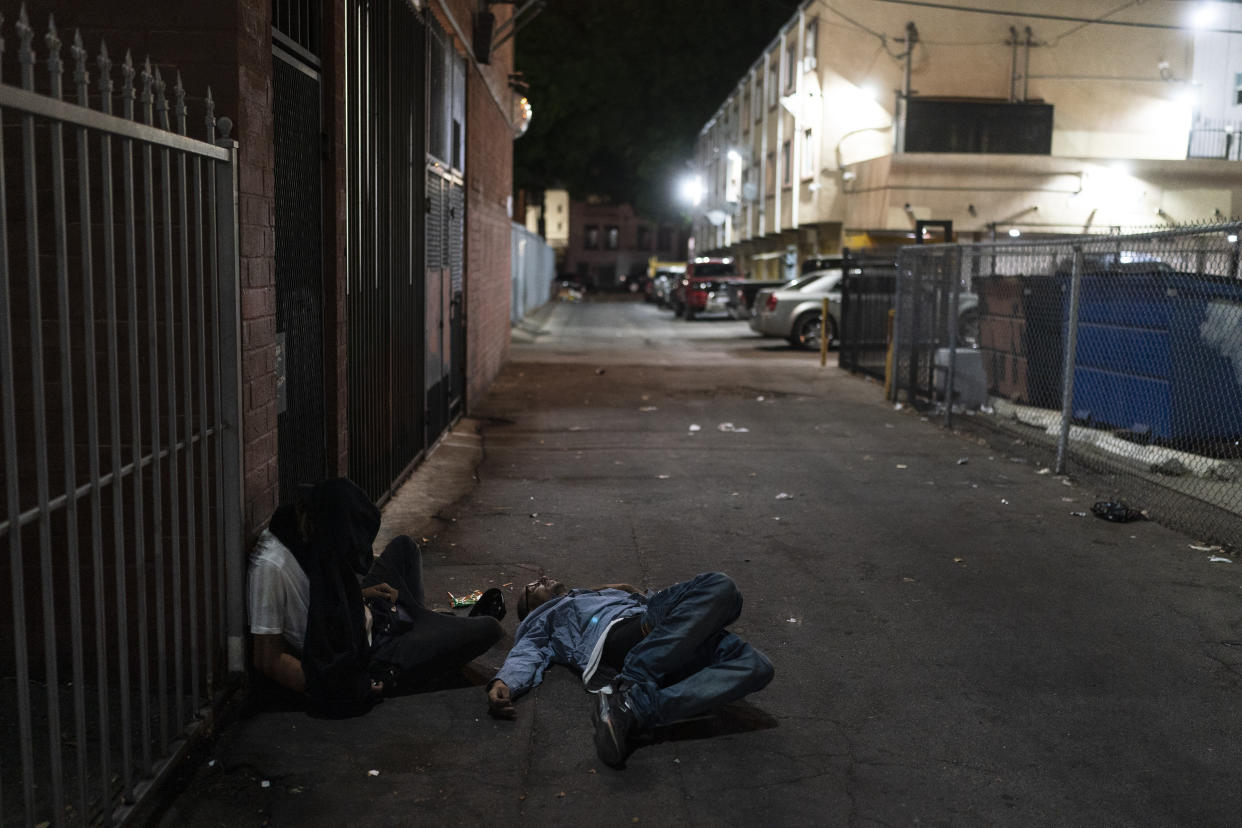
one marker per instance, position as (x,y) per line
(1014,232)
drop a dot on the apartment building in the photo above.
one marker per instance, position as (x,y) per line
(609,244)
(863,118)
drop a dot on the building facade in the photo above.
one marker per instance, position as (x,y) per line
(862,119)
(609,245)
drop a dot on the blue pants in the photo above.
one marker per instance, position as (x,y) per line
(689,663)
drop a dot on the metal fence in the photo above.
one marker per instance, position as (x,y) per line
(533,266)
(1215,139)
(867,290)
(1121,354)
(119,389)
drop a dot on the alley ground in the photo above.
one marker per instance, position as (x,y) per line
(953,645)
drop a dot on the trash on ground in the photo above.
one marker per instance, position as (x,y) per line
(662,477)
(1219,559)
(961,461)
(732,427)
(959,560)
(1044,470)
(1005,502)
(1116,511)
(784,496)
(372,772)
(266,783)
(1171,467)
(759,398)
(1203,547)
(466,600)
(898,407)
(791,620)
(1078,514)
(599,371)
(902,466)
(648,408)
(696,427)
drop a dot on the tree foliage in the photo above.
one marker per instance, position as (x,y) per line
(621,88)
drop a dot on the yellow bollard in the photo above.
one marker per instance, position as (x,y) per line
(823,334)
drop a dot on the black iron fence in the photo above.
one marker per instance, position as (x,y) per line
(1215,139)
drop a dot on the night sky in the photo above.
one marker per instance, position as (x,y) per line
(621,88)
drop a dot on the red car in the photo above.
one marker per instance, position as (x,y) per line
(704,288)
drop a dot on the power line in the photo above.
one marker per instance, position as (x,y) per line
(1067,18)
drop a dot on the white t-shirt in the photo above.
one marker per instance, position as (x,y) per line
(279,592)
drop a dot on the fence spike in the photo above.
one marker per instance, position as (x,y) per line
(209,117)
(81,77)
(25,52)
(54,66)
(179,107)
(105,78)
(127,86)
(161,101)
(147,97)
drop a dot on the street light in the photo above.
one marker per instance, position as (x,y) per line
(691,189)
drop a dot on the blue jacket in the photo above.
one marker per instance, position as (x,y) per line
(567,630)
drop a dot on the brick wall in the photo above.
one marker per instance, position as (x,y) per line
(489,188)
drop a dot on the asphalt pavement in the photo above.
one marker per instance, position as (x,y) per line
(954,644)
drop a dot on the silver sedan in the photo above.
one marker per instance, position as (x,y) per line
(794,311)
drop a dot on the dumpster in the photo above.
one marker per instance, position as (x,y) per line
(1020,338)
(1159,352)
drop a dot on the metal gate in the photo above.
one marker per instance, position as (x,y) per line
(385,140)
(119,390)
(867,291)
(298,128)
(446,212)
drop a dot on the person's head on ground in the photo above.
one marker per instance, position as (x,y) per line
(537,593)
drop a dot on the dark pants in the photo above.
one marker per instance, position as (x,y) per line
(689,663)
(429,643)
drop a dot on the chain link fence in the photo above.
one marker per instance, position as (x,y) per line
(1121,354)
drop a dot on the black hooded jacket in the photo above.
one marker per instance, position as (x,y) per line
(330,531)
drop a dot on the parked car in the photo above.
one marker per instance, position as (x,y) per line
(704,286)
(794,310)
(741,301)
(662,285)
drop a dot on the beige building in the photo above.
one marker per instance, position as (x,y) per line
(865,116)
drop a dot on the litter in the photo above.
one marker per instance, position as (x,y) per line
(372,772)
(1200,547)
(1116,511)
(784,496)
(961,461)
(731,427)
(902,466)
(1078,514)
(1005,502)
(661,477)
(266,783)
(696,427)
(648,408)
(464,601)
(759,398)
(791,620)
(898,407)
(1044,470)
(1219,559)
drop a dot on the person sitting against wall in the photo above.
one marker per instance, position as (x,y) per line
(332,622)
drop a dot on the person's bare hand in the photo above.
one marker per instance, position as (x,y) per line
(499,701)
(380,591)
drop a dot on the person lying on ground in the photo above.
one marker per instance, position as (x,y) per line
(332,622)
(653,658)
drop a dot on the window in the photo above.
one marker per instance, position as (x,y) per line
(810,45)
(770,173)
(1237,89)
(757,101)
(791,64)
(591,240)
(808,154)
(774,82)
(733,177)
(612,237)
(786,173)
(746,107)
(642,240)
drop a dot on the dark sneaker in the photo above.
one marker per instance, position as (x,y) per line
(613,718)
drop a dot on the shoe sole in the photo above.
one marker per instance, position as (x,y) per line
(610,753)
